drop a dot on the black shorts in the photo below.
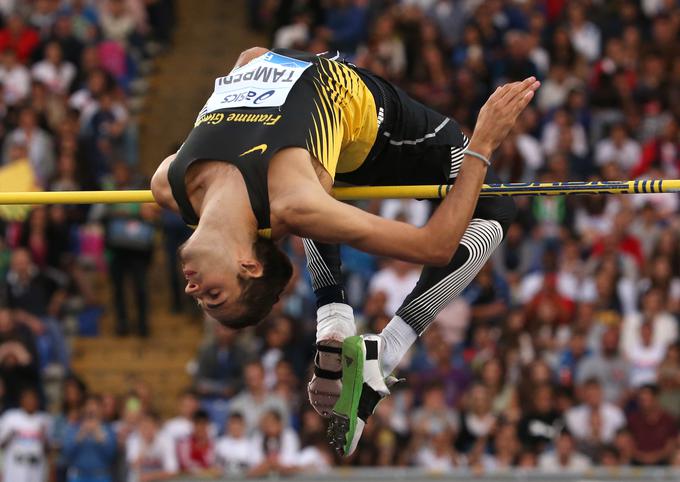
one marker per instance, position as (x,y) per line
(419,146)
(415,145)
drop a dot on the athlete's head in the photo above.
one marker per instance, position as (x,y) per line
(237,289)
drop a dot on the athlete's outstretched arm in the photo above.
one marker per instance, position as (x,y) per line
(309,212)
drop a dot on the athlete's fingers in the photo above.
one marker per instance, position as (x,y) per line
(507,91)
(516,88)
(525,96)
(520,88)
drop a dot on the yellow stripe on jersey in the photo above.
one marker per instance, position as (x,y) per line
(345,121)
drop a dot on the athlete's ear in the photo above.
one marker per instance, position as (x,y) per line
(251,268)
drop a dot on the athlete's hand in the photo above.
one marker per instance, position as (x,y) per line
(323,393)
(499,114)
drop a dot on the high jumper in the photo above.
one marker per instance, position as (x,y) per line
(260,163)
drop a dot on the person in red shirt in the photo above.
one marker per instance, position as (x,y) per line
(19,37)
(654,430)
(661,153)
(196,453)
(620,241)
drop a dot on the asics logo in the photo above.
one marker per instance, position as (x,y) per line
(262,148)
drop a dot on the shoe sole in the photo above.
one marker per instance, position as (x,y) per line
(343,420)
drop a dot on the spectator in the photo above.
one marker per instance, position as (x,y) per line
(15,78)
(130,239)
(24,438)
(36,298)
(181,426)
(196,453)
(584,35)
(618,148)
(19,364)
(254,400)
(644,356)
(478,422)
(663,325)
(564,458)
(395,280)
(595,421)
(669,380)
(220,364)
(345,24)
(90,445)
(654,430)
(608,367)
(117,21)
(19,37)
(275,448)
(506,448)
(541,424)
(53,71)
(150,453)
(234,450)
(434,416)
(437,454)
(662,153)
(38,142)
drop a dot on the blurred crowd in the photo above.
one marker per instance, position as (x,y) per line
(561,355)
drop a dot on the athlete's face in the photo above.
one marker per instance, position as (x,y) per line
(212,279)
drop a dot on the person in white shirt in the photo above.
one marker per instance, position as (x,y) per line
(584,35)
(556,88)
(594,421)
(664,329)
(234,449)
(182,426)
(564,458)
(23,437)
(396,280)
(15,78)
(150,453)
(618,148)
(53,71)
(644,355)
(38,142)
(275,447)
(255,400)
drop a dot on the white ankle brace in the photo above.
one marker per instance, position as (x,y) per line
(335,321)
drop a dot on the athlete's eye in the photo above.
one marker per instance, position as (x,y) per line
(214,294)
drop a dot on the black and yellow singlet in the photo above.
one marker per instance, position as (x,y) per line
(281,99)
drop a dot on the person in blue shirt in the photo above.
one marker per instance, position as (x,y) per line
(89,446)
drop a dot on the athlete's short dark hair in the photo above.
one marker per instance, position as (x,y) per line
(259,295)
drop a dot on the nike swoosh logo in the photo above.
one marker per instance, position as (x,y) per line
(261,148)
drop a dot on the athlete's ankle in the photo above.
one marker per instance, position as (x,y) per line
(397,336)
(335,322)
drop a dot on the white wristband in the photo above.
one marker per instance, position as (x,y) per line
(484,159)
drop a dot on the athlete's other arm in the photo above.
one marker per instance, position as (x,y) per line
(308,212)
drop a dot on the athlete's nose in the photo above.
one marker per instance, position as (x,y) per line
(191,288)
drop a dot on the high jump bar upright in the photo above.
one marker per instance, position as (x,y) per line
(374,192)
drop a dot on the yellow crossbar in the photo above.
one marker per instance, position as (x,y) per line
(374,192)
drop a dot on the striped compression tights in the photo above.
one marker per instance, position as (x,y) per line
(437,286)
